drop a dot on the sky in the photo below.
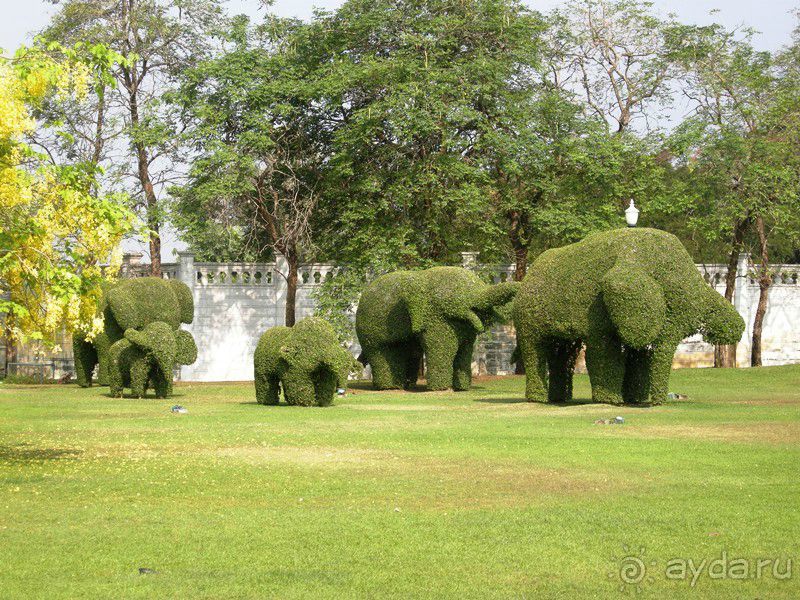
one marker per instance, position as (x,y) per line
(774,20)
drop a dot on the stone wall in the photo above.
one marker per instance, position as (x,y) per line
(236,302)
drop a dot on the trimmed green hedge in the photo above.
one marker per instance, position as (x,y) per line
(436,313)
(630,295)
(305,360)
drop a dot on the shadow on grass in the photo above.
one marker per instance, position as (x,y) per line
(417,388)
(147,396)
(22,453)
(574,402)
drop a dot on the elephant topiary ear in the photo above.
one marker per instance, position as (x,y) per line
(185,301)
(635,303)
(413,295)
(186,348)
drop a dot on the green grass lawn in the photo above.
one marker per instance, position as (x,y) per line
(390,494)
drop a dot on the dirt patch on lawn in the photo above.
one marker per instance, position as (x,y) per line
(435,483)
(772,433)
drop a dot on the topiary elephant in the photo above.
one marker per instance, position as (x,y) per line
(131,304)
(147,358)
(436,313)
(307,360)
(631,296)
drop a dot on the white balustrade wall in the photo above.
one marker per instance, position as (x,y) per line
(236,302)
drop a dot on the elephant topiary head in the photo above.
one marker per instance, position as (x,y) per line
(457,294)
(135,303)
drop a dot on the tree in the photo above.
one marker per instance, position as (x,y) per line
(621,54)
(158,39)
(54,232)
(419,96)
(251,113)
(740,149)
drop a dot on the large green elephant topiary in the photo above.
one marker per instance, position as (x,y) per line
(630,295)
(134,349)
(306,360)
(437,313)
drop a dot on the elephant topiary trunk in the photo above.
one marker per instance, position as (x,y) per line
(436,313)
(630,296)
(305,360)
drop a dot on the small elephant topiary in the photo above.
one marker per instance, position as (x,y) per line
(129,307)
(306,360)
(147,358)
(631,296)
(436,313)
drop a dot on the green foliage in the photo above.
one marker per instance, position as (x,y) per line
(305,360)
(421,96)
(336,299)
(436,313)
(629,295)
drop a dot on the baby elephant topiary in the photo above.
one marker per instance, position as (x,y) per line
(306,360)
(436,313)
(631,296)
(147,357)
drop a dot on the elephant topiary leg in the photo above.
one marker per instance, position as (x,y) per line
(606,365)
(268,388)
(462,367)
(115,382)
(660,369)
(324,388)
(299,391)
(561,357)
(533,353)
(638,367)
(162,385)
(441,346)
(140,373)
(389,366)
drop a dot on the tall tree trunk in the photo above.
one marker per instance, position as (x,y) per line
(764,283)
(725,354)
(518,224)
(291,287)
(151,201)
(11,350)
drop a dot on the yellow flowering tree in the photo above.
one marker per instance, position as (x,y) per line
(56,229)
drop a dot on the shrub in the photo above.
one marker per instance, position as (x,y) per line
(436,313)
(305,360)
(629,295)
